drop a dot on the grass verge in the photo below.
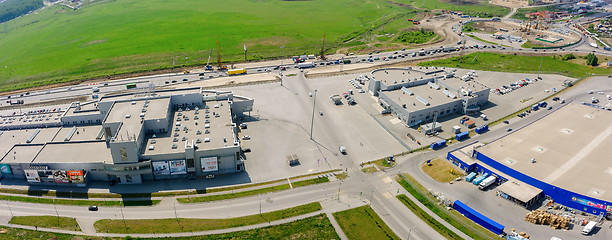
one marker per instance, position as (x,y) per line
(454,218)
(342,176)
(53,193)
(316,227)
(482,40)
(363,223)
(440,170)
(251,192)
(369,169)
(64,223)
(172,225)
(433,223)
(79,202)
(518,63)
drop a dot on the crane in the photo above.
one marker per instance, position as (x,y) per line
(221,67)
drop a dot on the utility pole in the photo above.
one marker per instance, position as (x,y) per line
(122,216)
(281,77)
(282,56)
(323,48)
(56,212)
(314,103)
(260,204)
(541,61)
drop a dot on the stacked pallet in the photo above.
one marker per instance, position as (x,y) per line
(544,218)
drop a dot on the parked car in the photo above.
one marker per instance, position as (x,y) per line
(93,208)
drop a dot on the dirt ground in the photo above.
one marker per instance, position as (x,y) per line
(511,3)
(514,29)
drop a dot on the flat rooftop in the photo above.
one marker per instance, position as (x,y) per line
(396,75)
(83,133)
(129,113)
(31,119)
(11,137)
(86,109)
(216,119)
(23,154)
(570,147)
(432,96)
(158,93)
(82,152)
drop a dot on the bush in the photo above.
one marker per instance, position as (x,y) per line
(420,36)
(591,59)
(568,56)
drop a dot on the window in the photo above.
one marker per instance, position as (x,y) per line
(128,178)
(124,156)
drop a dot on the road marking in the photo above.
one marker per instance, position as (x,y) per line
(387,195)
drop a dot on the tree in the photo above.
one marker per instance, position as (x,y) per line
(591,60)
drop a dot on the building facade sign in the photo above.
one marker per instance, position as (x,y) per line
(209,164)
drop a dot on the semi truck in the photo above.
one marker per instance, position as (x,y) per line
(438,144)
(487,182)
(232,72)
(305,65)
(462,136)
(478,180)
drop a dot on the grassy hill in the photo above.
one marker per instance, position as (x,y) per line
(59,44)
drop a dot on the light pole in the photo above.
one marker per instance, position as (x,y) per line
(9,207)
(314,103)
(541,61)
(56,212)
(282,48)
(409,232)
(281,77)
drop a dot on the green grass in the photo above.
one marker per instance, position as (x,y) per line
(370,169)
(53,193)
(464,225)
(363,223)
(64,223)
(520,13)
(117,37)
(172,225)
(433,223)
(416,37)
(518,63)
(79,202)
(482,40)
(316,227)
(253,192)
(481,9)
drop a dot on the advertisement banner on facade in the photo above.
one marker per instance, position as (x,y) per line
(591,204)
(209,164)
(76,176)
(160,168)
(32,175)
(61,176)
(5,169)
(177,167)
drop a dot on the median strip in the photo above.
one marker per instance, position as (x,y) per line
(175,225)
(253,192)
(79,202)
(54,222)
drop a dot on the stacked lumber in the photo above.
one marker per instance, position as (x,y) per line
(544,218)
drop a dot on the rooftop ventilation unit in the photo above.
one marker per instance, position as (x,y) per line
(206,131)
(153,141)
(206,139)
(406,90)
(174,146)
(184,139)
(198,132)
(206,125)
(433,85)
(175,139)
(198,140)
(179,114)
(128,116)
(206,121)
(176,134)
(422,100)
(151,147)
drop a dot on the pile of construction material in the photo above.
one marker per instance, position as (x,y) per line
(545,218)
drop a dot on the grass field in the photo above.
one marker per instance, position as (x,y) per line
(433,223)
(440,170)
(454,218)
(363,223)
(65,223)
(171,225)
(58,44)
(518,63)
(482,9)
(252,192)
(316,227)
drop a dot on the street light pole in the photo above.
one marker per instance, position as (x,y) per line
(56,212)
(541,61)
(282,54)
(314,103)
(9,207)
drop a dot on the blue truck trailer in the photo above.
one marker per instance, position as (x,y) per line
(480,179)
(462,136)
(477,217)
(482,129)
(470,176)
(438,144)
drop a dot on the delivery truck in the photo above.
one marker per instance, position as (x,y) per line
(305,65)
(487,182)
(232,72)
(588,228)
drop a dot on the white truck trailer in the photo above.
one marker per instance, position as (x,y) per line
(588,228)
(487,182)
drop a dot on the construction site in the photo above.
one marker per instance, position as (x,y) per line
(537,31)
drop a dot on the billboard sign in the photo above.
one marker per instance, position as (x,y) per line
(32,176)
(5,169)
(160,168)
(61,176)
(591,204)
(177,167)
(209,164)
(76,176)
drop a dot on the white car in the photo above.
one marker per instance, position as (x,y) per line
(246,137)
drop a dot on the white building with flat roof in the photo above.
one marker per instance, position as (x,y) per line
(127,138)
